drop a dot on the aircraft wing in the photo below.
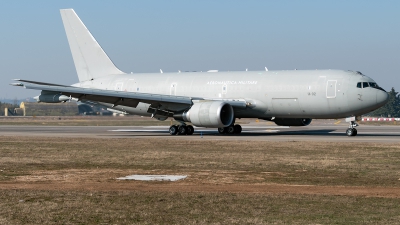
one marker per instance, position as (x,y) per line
(167,103)
(131,99)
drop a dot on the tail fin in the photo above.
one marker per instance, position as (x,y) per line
(90,60)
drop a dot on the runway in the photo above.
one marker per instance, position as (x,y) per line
(328,133)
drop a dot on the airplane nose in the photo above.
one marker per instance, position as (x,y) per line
(382,97)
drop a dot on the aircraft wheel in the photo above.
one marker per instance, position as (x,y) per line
(351,132)
(238,129)
(182,130)
(230,130)
(222,130)
(173,130)
(190,130)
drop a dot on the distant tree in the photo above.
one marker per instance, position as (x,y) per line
(392,107)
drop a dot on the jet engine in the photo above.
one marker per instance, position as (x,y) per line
(292,122)
(208,114)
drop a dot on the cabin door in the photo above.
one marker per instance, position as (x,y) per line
(331,89)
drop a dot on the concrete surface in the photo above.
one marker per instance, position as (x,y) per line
(319,132)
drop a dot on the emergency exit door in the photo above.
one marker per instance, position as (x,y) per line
(331,89)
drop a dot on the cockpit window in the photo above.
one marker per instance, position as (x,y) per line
(375,85)
(369,84)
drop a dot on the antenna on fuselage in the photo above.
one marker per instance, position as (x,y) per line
(266,69)
(161,71)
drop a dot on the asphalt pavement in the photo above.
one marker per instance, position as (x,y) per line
(329,133)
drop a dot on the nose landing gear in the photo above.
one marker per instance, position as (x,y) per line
(352,131)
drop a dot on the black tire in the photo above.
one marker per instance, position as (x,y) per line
(222,130)
(230,130)
(350,132)
(182,130)
(173,130)
(354,132)
(190,129)
(238,129)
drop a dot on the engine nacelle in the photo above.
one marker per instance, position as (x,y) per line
(292,122)
(208,114)
(51,98)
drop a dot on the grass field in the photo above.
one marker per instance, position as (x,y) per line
(72,181)
(133,207)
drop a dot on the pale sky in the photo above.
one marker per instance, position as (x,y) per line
(145,36)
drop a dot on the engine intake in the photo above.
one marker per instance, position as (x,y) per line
(292,122)
(208,114)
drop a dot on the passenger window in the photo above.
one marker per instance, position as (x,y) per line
(365,84)
(359,84)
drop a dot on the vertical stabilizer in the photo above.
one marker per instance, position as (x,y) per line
(90,59)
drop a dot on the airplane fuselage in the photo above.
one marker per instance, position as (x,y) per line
(314,94)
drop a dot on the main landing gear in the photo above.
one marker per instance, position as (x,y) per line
(181,129)
(352,131)
(232,129)
(188,129)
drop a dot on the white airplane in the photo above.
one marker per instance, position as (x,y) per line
(211,99)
